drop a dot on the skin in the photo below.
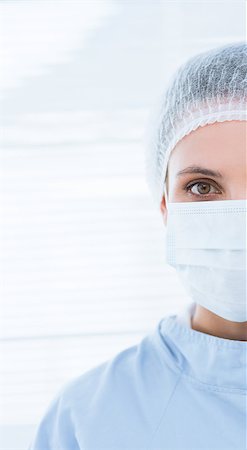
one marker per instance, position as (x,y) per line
(220,147)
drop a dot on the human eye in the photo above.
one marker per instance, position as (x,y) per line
(202,188)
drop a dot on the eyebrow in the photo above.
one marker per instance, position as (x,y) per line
(198,169)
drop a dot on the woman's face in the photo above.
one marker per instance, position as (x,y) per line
(209,164)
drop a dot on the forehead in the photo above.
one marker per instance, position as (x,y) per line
(221,144)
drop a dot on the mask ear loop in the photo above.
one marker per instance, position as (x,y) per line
(166,194)
(166,197)
(165,189)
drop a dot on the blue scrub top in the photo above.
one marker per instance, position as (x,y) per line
(176,389)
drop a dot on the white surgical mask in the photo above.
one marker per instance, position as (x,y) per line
(206,244)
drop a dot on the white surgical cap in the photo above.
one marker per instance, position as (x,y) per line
(210,87)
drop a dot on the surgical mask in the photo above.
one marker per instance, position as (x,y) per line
(206,244)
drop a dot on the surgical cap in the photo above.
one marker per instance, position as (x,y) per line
(210,87)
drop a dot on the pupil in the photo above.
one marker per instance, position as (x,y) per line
(203,188)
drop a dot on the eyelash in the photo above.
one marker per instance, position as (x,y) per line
(188,187)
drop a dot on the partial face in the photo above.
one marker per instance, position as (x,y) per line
(209,164)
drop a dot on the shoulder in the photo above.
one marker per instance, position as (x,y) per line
(135,368)
(118,375)
(132,380)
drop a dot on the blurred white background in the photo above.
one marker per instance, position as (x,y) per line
(82,264)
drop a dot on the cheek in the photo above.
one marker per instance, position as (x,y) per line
(177,197)
(176,191)
(175,186)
